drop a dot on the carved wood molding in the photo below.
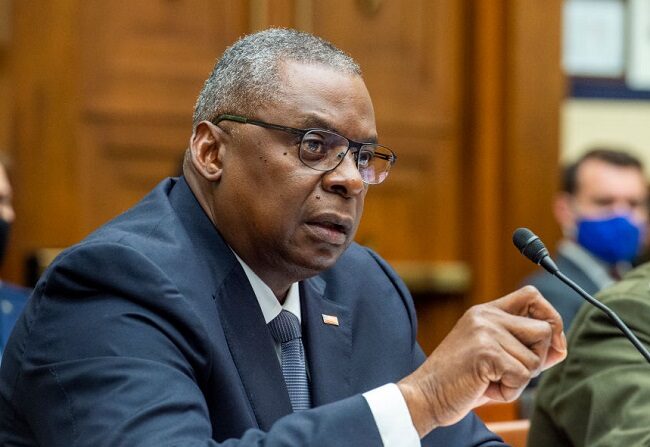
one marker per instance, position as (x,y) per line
(448,277)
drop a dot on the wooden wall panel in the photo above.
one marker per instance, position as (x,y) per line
(147,58)
(104,100)
(535,89)
(411,56)
(515,91)
(140,77)
(6,101)
(44,67)
(5,82)
(123,159)
(5,23)
(404,218)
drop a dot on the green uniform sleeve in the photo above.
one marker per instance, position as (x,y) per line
(600,395)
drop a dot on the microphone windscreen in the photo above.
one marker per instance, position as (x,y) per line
(529,245)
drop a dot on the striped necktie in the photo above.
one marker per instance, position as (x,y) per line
(285,329)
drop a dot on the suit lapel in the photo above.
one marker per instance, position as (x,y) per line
(249,340)
(329,347)
(252,349)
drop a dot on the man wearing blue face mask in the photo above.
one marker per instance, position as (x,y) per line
(603,212)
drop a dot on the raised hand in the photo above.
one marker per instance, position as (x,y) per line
(491,354)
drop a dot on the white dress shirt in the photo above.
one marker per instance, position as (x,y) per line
(386,403)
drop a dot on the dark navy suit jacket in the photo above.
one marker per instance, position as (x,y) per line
(148,333)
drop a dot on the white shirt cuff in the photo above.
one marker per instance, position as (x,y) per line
(392,416)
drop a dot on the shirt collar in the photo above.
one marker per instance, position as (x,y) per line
(267,300)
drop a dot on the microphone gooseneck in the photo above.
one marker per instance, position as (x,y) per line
(533,248)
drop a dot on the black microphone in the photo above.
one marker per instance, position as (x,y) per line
(533,248)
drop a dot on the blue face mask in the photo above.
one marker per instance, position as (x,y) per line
(613,239)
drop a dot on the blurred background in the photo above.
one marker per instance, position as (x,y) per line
(480,99)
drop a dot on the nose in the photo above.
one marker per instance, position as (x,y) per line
(345,179)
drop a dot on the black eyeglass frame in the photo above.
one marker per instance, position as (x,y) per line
(355,146)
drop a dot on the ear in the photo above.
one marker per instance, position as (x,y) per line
(564,212)
(207,150)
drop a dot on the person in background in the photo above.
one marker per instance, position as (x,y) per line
(232,306)
(600,395)
(602,209)
(12,297)
(603,212)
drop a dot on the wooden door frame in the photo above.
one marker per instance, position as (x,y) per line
(514,91)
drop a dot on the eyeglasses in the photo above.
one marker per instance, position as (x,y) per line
(324,150)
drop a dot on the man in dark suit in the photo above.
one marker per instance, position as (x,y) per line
(161,328)
(603,212)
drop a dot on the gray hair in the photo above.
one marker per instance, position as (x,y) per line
(248,73)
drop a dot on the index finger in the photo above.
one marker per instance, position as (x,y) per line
(529,302)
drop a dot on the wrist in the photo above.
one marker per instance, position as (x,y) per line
(419,406)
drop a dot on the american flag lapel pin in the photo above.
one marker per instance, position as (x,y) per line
(330,319)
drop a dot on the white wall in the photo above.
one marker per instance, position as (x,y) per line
(587,123)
